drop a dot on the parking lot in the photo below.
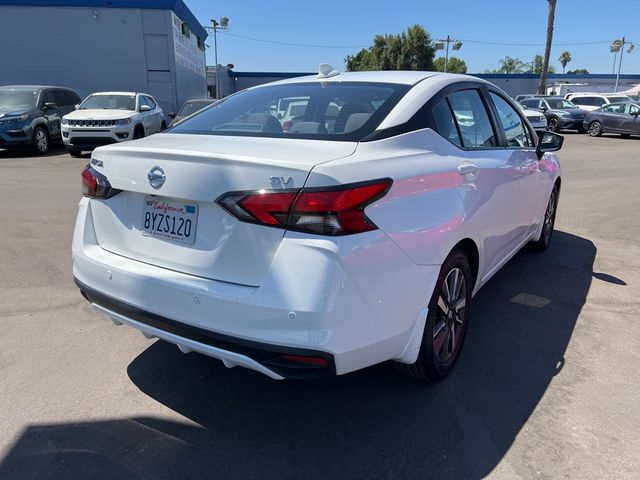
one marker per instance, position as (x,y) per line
(547,385)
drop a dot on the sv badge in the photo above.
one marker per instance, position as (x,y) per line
(284,181)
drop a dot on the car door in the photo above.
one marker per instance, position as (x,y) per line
(522,158)
(155,113)
(611,118)
(51,113)
(629,122)
(487,179)
(146,117)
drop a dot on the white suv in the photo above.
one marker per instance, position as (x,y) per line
(111,117)
(593,101)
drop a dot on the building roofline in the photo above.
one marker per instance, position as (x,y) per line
(177,6)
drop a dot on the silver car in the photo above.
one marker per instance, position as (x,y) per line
(619,118)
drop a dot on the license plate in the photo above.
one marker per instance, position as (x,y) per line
(172,220)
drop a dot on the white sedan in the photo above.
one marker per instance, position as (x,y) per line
(110,117)
(357,236)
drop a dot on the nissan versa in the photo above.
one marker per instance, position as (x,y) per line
(356,236)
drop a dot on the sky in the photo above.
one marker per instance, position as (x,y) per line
(328,30)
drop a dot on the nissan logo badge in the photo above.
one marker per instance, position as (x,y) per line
(156,177)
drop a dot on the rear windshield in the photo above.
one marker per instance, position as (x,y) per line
(18,97)
(109,102)
(324,111)
(619,98)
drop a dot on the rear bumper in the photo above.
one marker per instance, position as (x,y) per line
(354,306)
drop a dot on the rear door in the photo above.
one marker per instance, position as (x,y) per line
(52,114)
(612,117)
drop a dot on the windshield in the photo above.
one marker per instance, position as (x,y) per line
(18,97)
(559,104)
(191,107)
(109,102)
(619,98)
(326,111)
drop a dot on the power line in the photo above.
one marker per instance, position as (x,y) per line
(480,42)
(289,44)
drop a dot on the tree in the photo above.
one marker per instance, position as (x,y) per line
(547,49)
(579,71)
(537,64)
(455,65)
(565,57)
(511,65)
(410,50)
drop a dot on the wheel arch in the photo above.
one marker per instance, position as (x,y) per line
(470,249)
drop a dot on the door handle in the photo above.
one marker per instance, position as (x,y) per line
(468,169)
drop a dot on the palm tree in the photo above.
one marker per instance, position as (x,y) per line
(565,57)
(547,49)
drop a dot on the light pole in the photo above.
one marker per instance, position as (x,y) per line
(223,24)
(618,46)
(440,45)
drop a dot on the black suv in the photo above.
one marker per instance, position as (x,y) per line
(561,114)
(30,115)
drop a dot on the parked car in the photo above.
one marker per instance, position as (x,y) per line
(619,118)
(592,101)
(561,114)
(111,117)
(30,115)
(326,248)
(537,119)
(190,107)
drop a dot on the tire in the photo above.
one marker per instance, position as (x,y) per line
(75,152)
(548,222)
(138,132)
(595,129)
(553,124)
(582,130)
(41,140)
(163,126)
(625,135)
(444,333)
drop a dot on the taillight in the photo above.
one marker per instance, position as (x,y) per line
(96,185)
(323,211)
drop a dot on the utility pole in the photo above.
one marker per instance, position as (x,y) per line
(223,24)
(440,45)
(615,90)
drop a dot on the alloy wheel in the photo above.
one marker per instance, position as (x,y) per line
(594,129)
(447,330)
(553,125)
(42,141)
(549,216)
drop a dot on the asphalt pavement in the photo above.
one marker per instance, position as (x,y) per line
(547,385)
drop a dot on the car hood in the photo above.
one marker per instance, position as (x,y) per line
(99,114)
(12,111)
(573,113)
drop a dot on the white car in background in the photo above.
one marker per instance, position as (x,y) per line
(537,119)
(592,101)
(111,117)
(346,241)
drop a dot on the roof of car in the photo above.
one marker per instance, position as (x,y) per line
(115,93)
(404,77)
(36,87)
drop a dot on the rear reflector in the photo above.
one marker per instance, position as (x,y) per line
(323,211)
(96,185)
(321,362)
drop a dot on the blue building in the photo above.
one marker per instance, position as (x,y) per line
(151,46)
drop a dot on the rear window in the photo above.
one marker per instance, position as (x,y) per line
(326,111)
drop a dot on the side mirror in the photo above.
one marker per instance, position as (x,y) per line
(171,115)
(50,106)
(145,108)
(544,109)
(548,142)
(77,106)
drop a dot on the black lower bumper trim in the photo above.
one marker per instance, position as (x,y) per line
(271,356)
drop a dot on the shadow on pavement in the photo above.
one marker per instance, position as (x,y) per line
(30,153)
(370,424)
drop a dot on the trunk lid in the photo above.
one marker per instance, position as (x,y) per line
(198,169)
